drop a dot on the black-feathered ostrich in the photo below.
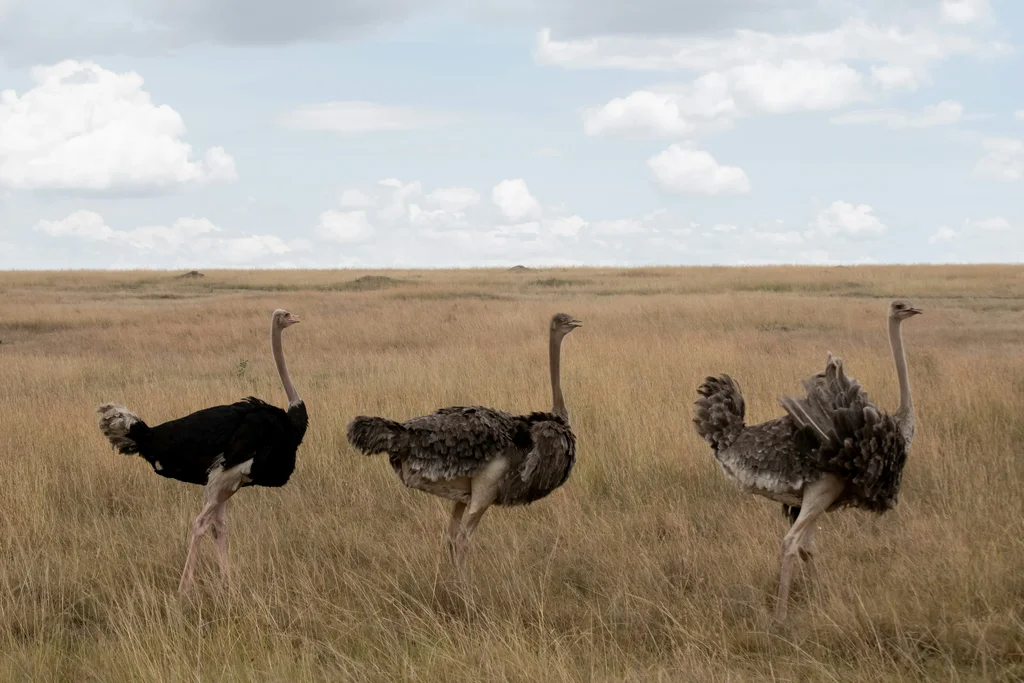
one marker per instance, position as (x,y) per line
(248,443)
(477,456)
(834,448)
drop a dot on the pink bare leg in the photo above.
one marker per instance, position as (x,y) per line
(466,534)
(817,497)
(483,491)
(199,528)
(217,494)
(453,528)
(220,540)
(807,555)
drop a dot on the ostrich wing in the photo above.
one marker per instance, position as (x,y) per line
(263,445)
(829,405)
(254,439)
(553,454)
(453,442)
(856,441)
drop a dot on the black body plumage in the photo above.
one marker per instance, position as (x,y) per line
(224,436)
(834,429)
(458,441)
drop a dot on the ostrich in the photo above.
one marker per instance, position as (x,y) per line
(834,448)
(477,456)
(247,443)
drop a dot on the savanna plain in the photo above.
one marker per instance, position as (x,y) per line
(647,565)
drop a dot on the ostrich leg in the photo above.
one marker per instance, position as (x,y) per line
(199,527)
(220,540)
(217,494)
(451,541)
(483,491)
(797,541)
(476,511)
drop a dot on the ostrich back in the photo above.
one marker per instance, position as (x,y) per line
(458,441)
(187,448)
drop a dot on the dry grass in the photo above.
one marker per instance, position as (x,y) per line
(646,566)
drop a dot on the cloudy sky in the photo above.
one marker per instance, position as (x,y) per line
(411,133)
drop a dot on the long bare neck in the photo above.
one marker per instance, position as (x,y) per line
(282,367)
(906,412)
(557,402)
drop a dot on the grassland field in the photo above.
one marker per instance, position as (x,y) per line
(647,565)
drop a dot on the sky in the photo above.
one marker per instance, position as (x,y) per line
(456,133)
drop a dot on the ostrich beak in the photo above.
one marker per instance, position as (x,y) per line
(576,323)
(292,319)
(915,311)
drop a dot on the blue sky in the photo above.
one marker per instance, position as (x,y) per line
(405,133)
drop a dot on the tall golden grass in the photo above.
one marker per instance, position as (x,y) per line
(646,566)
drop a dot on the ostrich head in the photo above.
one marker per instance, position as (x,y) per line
(283,319)
(563,323)
(900,309)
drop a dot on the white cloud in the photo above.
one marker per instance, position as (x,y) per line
(990,225)
(187,240)
(1019,115)
(513,228)
(688,171)
(943,234)
(86,225)
(965,11)
(453,198)
(82,127)
(1004,161)
(642,112)
(811,85)
(889,77)
(344,226)
(944,113)
(843,218)
(671,111)
(435,219)
(717,98)
(239,250)
(620,227)
(785,238)
(569,226)
(852,40)
(993,239)
(400,195)
(748,73)
(363,117)
(354,198)
(514,200)
(182,231)
(90,226)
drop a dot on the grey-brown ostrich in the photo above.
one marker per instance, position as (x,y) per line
(477,456)
(834,448)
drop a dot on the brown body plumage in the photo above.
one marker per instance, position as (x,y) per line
(477,456)
(832,449)
(432,451)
